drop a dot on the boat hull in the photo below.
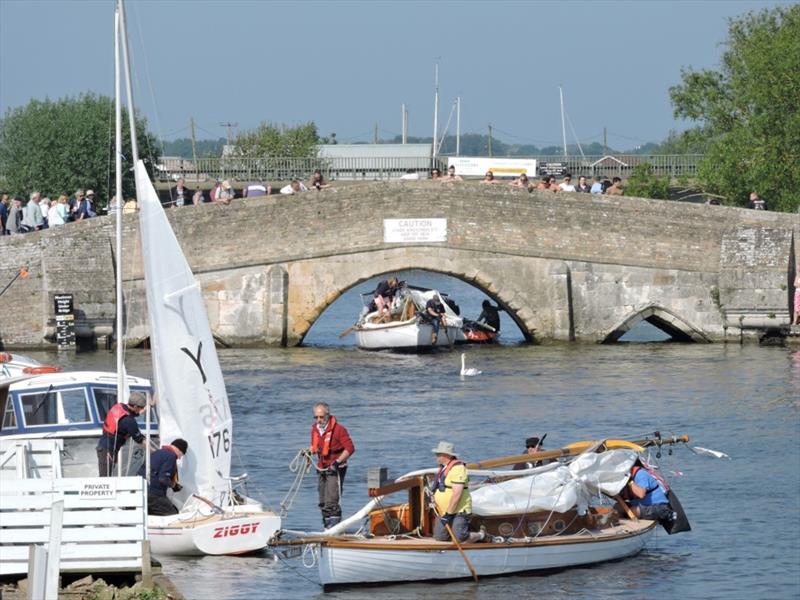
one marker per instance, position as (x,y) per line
(188,535)
(403,336)
(351,564)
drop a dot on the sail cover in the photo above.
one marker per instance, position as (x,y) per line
(558,487)
(191,396)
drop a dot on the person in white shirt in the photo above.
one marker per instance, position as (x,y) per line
(566,185)
(295,187)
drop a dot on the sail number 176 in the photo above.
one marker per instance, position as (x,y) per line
(217,439)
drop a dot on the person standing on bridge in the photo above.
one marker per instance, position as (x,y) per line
(331,442)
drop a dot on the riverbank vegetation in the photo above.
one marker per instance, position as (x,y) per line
(747,112)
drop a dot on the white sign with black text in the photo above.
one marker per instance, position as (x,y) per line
(399,231)
(98,491)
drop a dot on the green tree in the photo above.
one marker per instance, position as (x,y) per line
(748,111)
(643,183)
(58,146)
(281,141)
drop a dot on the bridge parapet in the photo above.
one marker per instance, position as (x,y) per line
(567,266)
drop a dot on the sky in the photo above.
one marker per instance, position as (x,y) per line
(348,66)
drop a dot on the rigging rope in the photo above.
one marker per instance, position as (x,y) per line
(300,465)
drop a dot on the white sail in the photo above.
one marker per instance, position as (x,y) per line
(191,394)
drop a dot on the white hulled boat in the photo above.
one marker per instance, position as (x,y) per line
(406,330)
(542,518)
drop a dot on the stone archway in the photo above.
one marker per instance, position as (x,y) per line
(341,276)
(676,327)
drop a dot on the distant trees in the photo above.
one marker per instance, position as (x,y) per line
(58,146)
(183,147)
(273,140)
(748,112)
(643,183)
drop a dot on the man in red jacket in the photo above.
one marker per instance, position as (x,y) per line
(333,446)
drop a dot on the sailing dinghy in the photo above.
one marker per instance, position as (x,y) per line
(539,519)
(191,395)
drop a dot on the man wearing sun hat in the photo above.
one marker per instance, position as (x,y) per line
(452,500)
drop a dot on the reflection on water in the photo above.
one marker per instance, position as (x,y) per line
(742,400)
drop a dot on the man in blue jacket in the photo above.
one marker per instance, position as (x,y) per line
(648,494)
(163,476)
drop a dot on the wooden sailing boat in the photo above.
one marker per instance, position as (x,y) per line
(539,519)
(191,395)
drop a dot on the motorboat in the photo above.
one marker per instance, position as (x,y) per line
(537,519)
(69,407)
(15,365)
(404,329)
(475,332)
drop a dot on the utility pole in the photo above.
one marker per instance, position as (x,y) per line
(375,135)
(605,141)
(194,142)
(404,130)
(228,127)
(490,140)
(458,126)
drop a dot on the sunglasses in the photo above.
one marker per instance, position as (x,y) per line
(322,418)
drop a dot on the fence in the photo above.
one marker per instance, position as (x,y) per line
(104,523)
(371,168)
(30,459)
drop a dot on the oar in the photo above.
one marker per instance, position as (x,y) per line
(450,532)
(348,330)
(461,550)
(447,334)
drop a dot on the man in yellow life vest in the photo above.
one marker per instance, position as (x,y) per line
(452,498)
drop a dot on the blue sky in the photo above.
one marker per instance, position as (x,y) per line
(350,65)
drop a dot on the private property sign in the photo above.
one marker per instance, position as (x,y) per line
(399,231)
(97,491)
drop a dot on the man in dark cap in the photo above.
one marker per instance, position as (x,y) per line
(163,476)
(119,424)
(533,446)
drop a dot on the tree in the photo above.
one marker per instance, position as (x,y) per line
(748,111)
(57,147)
(643,183)
(278,141)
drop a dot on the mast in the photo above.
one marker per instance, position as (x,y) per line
(404,129)
(435,108)
(563,127)
(123,41)
(118,192)
(458,126)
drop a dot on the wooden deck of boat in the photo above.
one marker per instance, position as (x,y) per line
(626,528)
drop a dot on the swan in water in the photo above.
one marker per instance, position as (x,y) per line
(465,372)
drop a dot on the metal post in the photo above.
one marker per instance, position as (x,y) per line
(120,203)
(404,117)
(490,140)
(563,126)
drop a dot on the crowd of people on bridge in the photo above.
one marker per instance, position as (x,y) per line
(40,212)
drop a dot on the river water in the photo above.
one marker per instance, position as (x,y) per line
(742,400)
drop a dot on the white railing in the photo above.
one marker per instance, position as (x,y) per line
(104,523)
(31,459)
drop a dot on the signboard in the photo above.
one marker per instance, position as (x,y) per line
(98,491)
(65,321)
(398,231)
(558,169)
(501,167)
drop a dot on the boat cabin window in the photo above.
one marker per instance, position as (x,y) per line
(75,406)
(105,398)
(56,407)
(40,409)
(9,416)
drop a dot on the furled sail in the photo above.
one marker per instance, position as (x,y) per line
(558,487)
(191,396)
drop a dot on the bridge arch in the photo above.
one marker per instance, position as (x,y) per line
(342,278)
(666,320)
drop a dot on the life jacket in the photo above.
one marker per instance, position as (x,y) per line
(321,442)
(113,416)
(661,481)
(439,481)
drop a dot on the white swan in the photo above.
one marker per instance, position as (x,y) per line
(465,372)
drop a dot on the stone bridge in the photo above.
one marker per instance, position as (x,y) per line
(565,267)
